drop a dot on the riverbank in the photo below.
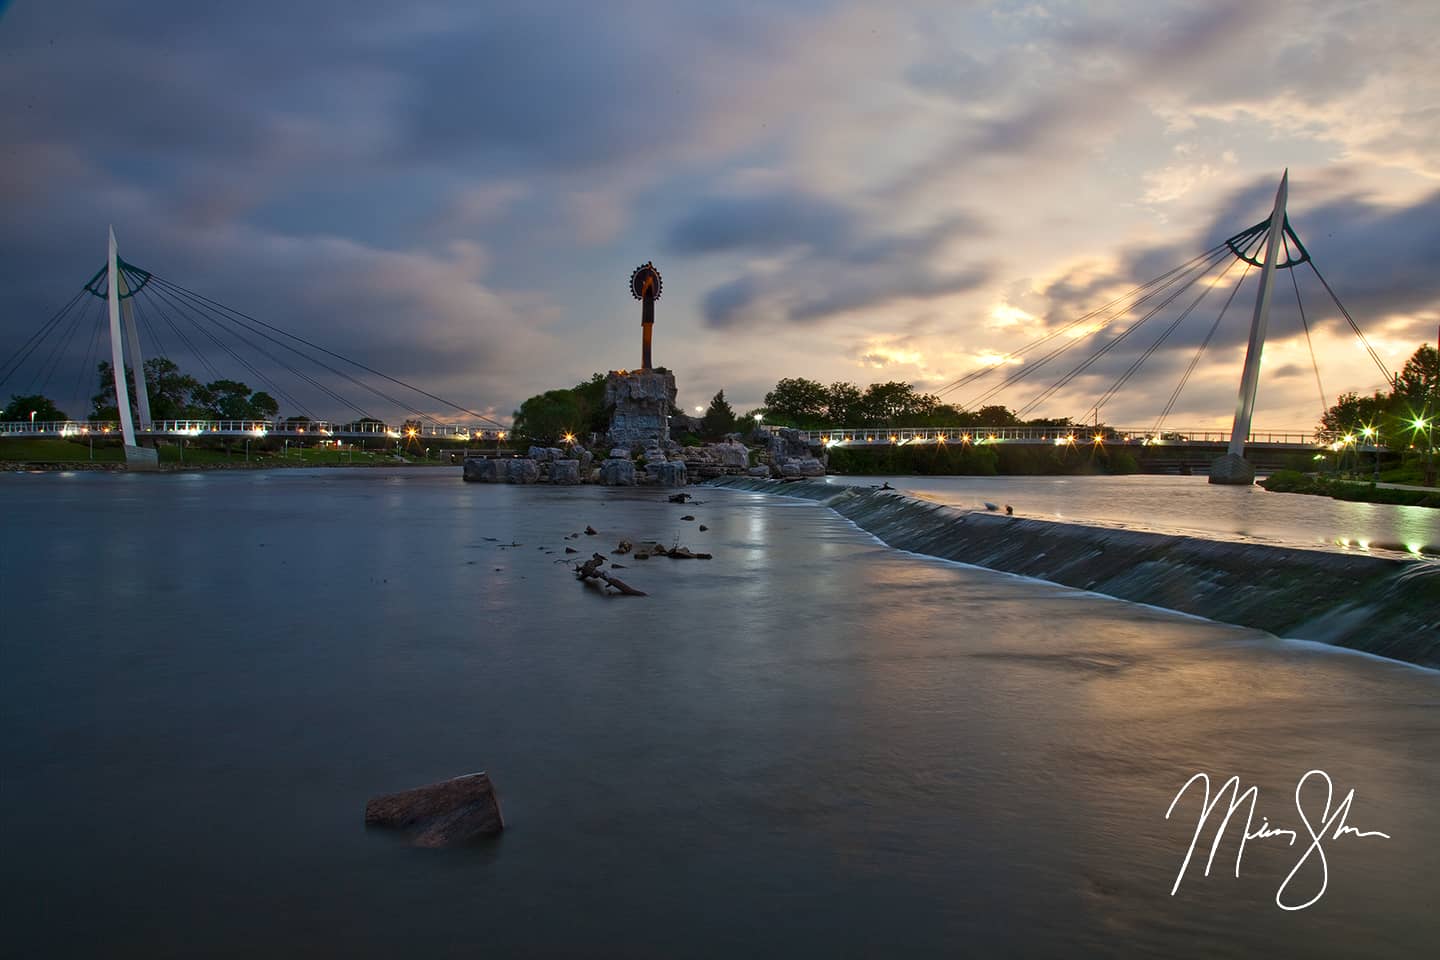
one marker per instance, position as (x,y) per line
(1382,605)
(1291,481)
(117,466)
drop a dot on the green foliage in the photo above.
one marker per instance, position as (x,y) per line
(1293,481)
(175,395)
(797,402)
(952,459)
(1403,419)
(547,417)
(719,419)
(20,408)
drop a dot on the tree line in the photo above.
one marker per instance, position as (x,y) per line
(1404,417)
(173,394)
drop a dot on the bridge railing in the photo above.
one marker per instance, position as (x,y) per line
(1038,434)
(320,429)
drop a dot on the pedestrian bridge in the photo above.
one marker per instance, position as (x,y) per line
(318,431)
(1070,436)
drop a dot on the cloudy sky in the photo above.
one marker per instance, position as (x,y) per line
(456,192)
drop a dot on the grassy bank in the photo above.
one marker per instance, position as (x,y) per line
(980,460)
(107,453)
(1292,481)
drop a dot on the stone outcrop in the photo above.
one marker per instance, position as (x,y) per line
(640,403)
(502,470)
(792,456)
(668,473)
(617,473)
(446,814)
(565,471)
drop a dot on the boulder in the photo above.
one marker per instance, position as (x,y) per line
(586,459)
(670,473)
(640,402)
(446,814)
(810,467)
(731,454)
(790,468)
(759,471)
(521,470)
(619,453)
(480,471)
(538,454)
(565,471)
(617,473)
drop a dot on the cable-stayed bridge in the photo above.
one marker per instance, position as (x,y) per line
(145,314)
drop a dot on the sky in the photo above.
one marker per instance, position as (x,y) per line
(456,193)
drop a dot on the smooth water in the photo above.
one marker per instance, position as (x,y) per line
(1193,507)
(811,745)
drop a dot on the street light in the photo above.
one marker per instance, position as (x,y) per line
(1371,435)
(32,420)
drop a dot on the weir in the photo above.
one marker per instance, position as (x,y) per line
(1385,606)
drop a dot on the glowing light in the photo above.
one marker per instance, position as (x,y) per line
(500,435)
(1368,431)
(568,438)
(409,433)
(892,438)
(1098,438)
(940,439)
(1413,548)
(965,438)
(1419,423)
(699,409)
(759,417)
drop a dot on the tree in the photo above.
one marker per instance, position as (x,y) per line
(797,402)
(170,392)
(843,404)
(1351,414)
(232,400)
(719,419)
(546,418)
(43,407)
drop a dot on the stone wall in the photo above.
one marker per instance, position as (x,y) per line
(640,401)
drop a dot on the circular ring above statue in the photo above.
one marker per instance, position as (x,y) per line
(646,279)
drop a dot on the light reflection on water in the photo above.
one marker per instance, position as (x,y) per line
(811,744)
(1193,507)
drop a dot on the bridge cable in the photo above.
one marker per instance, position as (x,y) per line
(1389,378)
(242,361)
(1309,344)
(1111,344)
(267,381)
(1150,350)
(314,360)
(194,351)
(80,390)
(340,373)
(1194,272)
(337,356)
(47,367)
(18,358)
(1195,360)
(1133,291)
(1031,368)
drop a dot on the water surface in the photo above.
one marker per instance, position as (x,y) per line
(811,745)
(1192,506)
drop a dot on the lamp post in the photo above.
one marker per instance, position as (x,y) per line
(1371,435)
(32,420)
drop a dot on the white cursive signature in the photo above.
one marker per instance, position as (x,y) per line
(1265,831)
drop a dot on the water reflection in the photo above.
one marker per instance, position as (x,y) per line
(851,749)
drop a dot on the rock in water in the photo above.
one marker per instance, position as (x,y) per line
(450,813)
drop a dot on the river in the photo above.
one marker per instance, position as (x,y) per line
(1193,507)
(810,745)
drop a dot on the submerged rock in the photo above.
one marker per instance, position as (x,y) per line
(450,813)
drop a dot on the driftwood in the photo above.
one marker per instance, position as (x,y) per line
(591,531)
(624,547)
(590,570)
(680,498)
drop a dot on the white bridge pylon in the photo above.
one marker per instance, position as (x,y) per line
(136,456)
